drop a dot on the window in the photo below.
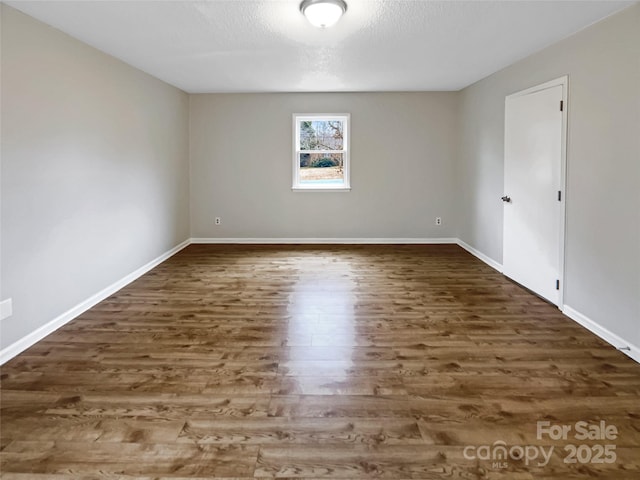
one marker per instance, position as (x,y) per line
(321,152)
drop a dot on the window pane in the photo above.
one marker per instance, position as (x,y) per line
(321,134)
(321,169)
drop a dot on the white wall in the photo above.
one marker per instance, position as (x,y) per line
(402,166)
(603,183)
(94,171)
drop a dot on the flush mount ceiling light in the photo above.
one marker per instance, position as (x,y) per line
(323,13)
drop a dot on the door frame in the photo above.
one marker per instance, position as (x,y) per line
(564,82)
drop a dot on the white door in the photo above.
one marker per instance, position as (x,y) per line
(533,189)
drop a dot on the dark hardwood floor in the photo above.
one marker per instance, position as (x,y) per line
(393,362)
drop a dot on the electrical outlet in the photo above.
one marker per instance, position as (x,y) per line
(438,221)
(218,221)
(6,309)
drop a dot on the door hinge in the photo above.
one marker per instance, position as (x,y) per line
(562,105)
(557,284)
(559,196)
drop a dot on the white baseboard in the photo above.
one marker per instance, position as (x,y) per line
(618,342)
(629,349)
(476,253)
(25,342)
(320,241)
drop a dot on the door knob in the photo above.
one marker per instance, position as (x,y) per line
(506,198)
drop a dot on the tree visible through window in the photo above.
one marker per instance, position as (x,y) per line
(321,156)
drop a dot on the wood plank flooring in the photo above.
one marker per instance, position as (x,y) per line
(348,362)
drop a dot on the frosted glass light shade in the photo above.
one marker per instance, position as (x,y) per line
(323,13)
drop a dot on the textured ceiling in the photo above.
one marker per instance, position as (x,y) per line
(268,46)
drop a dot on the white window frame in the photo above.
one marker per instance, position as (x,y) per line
(302,117)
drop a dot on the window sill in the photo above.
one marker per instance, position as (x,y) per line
(321,189)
